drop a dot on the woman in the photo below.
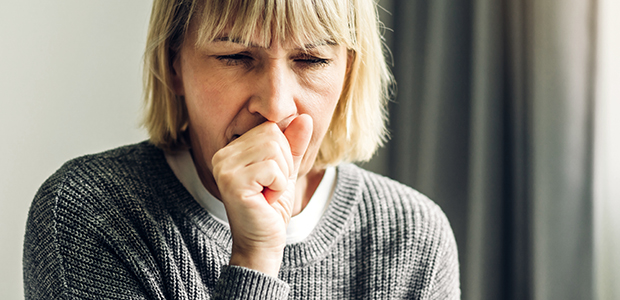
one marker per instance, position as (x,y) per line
(254,109)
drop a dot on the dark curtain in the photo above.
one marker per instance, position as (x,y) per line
(492,119)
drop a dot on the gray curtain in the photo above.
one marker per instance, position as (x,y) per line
(493,120)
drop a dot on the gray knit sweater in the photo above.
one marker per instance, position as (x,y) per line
(119,225)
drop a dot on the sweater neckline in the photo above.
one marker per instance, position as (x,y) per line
(332,225)
(328,231)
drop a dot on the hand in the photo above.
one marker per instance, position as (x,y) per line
(256,176)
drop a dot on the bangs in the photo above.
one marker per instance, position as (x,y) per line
(300,22)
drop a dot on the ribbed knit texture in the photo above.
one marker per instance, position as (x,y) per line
(119,225)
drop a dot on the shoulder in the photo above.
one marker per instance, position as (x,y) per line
(83,211)
(390,196)
(96,170)
(97,182)
(391,210)
(112,162)
(408,226)
(88,195)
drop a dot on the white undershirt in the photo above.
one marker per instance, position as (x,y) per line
(299,227)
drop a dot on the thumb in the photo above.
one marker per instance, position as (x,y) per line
(298,134)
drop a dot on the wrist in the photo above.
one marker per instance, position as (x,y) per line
(265,261)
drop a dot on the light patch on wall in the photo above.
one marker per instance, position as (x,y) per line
(607,148)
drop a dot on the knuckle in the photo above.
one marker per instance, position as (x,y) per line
(218,166)
(273,146)
(273,165)
(273,128)
(225,178)
(218,156)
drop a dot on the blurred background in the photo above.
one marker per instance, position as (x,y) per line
(507,114)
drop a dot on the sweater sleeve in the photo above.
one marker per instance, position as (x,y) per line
(445,283)
(44,276)
(237,282)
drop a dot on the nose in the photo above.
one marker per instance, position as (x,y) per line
(273,97)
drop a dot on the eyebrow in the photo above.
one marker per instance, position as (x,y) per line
(253,45)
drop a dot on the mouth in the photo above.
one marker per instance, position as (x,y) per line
(234,137)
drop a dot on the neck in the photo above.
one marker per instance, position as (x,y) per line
(305,187)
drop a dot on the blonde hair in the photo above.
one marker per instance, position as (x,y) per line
(357,127)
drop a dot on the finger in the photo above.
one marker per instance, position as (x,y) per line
(270,177)
(268,150)
(272,196)
(253,147)
(298,134)
(265,133)
(250,181)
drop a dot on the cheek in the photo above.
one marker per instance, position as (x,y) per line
(211,109)
(206,93)
(215,94)
(202,102)
(326,94)
(328,91)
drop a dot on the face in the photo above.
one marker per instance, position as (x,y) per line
(230,88)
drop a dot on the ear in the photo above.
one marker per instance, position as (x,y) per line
(176,74)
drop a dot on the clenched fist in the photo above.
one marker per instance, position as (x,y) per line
(256,176)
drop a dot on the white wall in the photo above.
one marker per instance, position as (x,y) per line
(606,150)
(70,84)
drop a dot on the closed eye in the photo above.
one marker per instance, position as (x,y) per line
(236,59)
(312,61)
